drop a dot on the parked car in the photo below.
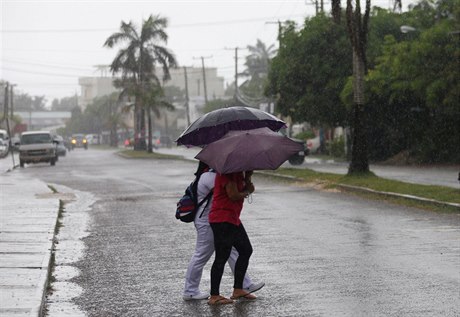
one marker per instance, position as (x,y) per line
(15,141)
(299,158)
(61,149)
(79,140)
(36,147)
(4,143)
(313,144)
(3,148)
(166,141)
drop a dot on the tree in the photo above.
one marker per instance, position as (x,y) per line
(358,24)
(24,102)
(257,67)
(64,104)
(136,63)
(308,74)
(417,82)
(155,101)
(336,11)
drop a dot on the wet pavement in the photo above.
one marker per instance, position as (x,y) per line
(120,252)
(28,214)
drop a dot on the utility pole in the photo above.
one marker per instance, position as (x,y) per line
(12,100)
(6,100)
(279,30)
(236,70)
(204,78)
(186,97)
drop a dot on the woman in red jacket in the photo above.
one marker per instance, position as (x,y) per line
(224,218)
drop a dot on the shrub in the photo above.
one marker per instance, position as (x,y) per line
(304,135)
(336,147)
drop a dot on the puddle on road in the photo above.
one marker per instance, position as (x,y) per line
(69,249)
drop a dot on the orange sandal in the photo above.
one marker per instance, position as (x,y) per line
(248,296)
(219,300)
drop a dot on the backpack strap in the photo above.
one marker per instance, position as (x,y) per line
(208,199)
(208,196)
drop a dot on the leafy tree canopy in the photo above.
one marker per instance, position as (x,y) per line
(310,71)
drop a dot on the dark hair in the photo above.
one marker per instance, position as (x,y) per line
(202,167)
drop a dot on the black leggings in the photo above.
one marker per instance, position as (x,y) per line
(226,236)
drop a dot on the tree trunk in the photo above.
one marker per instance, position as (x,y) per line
(357,30)
(149,119)
(137,129)
(336,11)
(142,141)
(359,152)
(113,135)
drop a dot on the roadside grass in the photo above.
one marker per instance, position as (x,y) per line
(373,182)
(146,155)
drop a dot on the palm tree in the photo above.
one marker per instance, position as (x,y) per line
(136,63)
(154,102)
(257,66)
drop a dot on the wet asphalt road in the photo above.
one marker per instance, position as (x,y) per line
(320,253)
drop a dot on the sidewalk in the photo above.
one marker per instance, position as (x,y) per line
(28,215)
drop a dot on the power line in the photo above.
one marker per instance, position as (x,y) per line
(40,73)
(44,65)
(169,27)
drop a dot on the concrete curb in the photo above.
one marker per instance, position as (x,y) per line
(396,195)
(367,190)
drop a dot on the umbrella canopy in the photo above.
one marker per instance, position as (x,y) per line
(258,149)
(215,124)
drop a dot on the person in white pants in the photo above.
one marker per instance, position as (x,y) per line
(205,242)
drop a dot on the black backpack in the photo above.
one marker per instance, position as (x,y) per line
(188,205)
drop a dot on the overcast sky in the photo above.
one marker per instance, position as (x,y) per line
(46,45)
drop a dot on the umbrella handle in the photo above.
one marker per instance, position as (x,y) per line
(249,198)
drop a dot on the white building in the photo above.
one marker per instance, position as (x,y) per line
(93,87)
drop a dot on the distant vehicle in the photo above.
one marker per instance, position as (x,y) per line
(299,157)
(61,149)
(36,147)
(313,144)
(93,139)
(3,148)
(79,140)
(4,143)
(166,141)
(15,140)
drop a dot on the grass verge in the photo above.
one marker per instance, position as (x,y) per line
(146,155)
(371,181)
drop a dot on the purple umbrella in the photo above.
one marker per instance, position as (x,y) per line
(215,124)
(258,149)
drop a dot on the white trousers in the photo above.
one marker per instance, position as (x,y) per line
(203,252)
